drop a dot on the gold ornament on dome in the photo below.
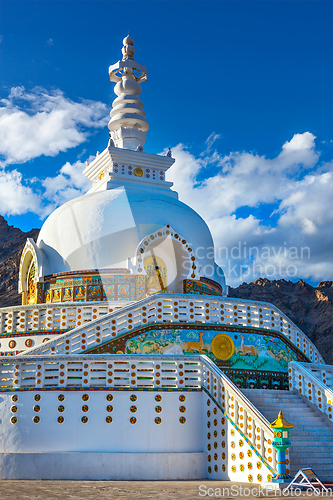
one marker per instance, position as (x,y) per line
(138,172)
(222,346)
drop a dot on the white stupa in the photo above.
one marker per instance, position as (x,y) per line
(127,361)
(130,221)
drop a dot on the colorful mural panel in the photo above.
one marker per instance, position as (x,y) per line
(87,287)
(242,351)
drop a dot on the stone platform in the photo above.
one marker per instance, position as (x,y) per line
(124,490)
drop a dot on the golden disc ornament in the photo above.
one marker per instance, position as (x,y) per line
(138,172)
(222,346)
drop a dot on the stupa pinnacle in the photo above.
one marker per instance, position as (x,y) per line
(128,125)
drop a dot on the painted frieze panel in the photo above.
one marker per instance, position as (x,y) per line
(242,351)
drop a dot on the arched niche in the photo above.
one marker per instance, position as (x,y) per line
(29,273)
(165,258)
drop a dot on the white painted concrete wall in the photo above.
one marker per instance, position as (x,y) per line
(96,435)
(207,445)
(103,466)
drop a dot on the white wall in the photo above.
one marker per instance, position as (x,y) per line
(121,450)
(97,435)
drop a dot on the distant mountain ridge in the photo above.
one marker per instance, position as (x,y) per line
(12,241)
(310,308)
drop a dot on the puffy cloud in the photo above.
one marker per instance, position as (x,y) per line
(40,122)
(293,239)
(68,184)
(15,197)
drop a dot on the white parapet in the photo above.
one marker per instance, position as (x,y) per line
(171,308)
(99,404)
(315,383)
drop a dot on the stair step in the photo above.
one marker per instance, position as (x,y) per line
(319,454)
(312,443)
(297,431)
(313,461)
(321,467)
(269,393)
(302,447)
(306,418)
(312,435)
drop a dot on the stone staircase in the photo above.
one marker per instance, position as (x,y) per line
(312,435)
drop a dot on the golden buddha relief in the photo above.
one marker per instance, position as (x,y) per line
(68,294)
(156,279)
(32,289)
(56,295)
(93,292)
(108,290)
(80,293)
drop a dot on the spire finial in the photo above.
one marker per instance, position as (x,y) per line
(128,125)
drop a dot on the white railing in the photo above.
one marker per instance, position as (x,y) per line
(311,381)
(48,317)
(240,410)
(175,308)
(95,370)
(140,371)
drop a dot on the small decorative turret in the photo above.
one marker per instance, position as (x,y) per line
(281,443)
(128,125)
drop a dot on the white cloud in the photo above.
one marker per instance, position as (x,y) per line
(15,197)
(40,122)
(45,195)
(68,184)
(210,141)
(293,188)
(49,42)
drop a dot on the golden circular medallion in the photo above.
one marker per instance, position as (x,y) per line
(222,346)
(138,172)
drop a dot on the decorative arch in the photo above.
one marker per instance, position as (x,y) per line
(30,267)
(145,251)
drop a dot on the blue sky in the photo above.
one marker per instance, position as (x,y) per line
(242,92)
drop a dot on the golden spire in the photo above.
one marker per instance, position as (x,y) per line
(281,422)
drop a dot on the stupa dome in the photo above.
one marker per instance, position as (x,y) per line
(129,236)
(104,229)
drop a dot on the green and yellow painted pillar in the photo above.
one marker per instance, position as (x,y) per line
(281,443)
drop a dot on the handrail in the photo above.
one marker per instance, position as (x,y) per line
(241,396)
(48,317)
(310,386)
(193,372)
(241,411)
(175,308)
